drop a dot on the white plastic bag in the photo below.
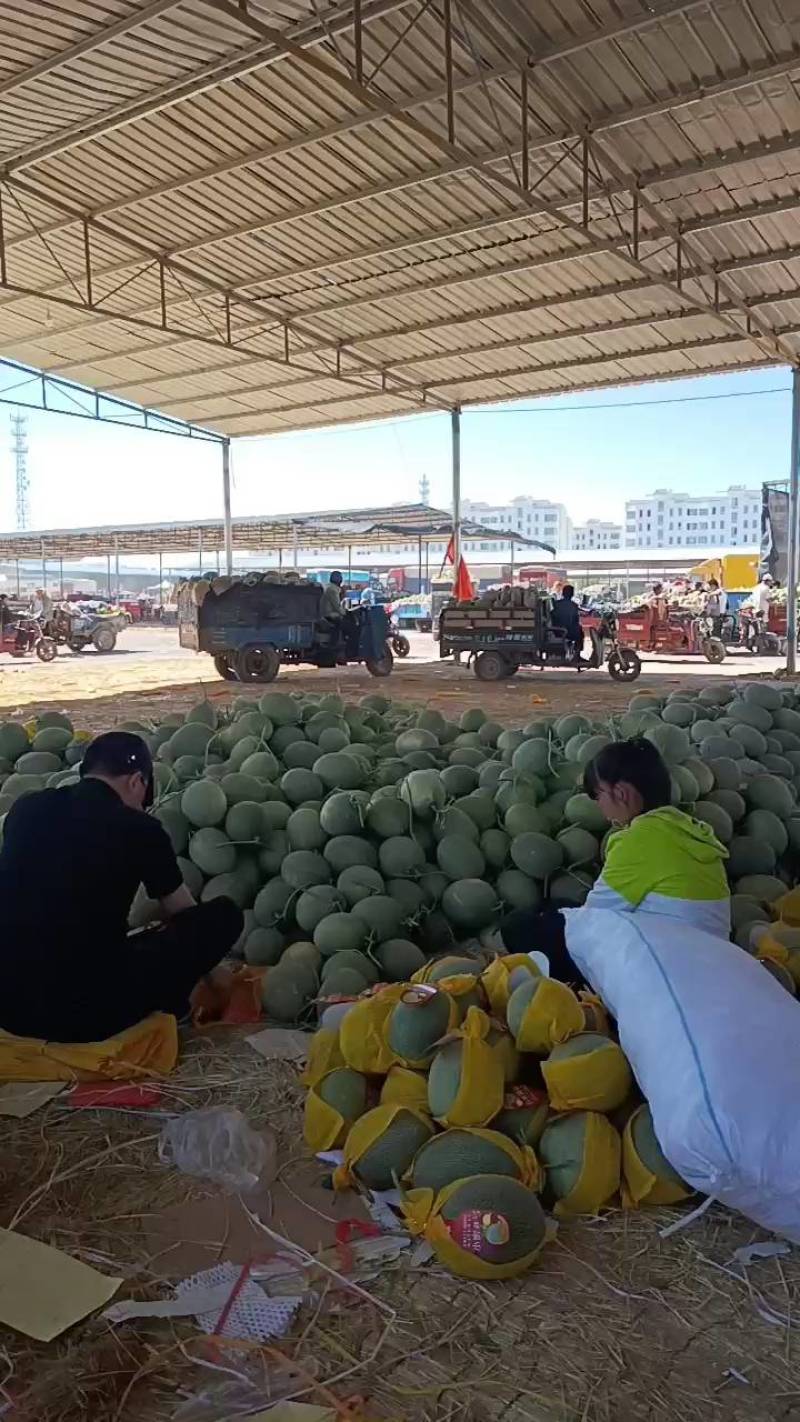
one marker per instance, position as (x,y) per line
(714,1042)
(217,1145)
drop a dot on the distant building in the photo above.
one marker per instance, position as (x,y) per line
(596,533)
(666,519)
(539,519)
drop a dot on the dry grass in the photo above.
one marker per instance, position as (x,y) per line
(616,1325)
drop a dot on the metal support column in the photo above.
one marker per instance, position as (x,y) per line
(511,579)
(108,574)
(419,562)
(200,551)
(455,425)
(18,582)
(218,567)
(280,560)
(61,578)
(116,565)
(294,546)
(226,504)
(794,531)
(44,569)
(160,583)
(350,564)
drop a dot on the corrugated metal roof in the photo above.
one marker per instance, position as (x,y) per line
(261,215)
(336,529)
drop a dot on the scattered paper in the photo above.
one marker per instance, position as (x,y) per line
(382,1205)
(280,1044)
(768,1249)
(43,1291)
(22,1098)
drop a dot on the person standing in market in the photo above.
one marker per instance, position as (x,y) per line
(716,605)
(71,863)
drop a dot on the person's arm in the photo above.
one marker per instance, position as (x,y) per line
(160,872)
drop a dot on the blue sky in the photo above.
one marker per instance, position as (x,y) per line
(592,458)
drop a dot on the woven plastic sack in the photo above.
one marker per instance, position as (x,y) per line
(362,1036)
(587,1073)
(466,1082)
(714,1043)
(404,1087)
(324,1055)
(582,1157)
(381,1146)
(647,1176)
(332,1106)
(543,1014)
(496,979)
(483,1227)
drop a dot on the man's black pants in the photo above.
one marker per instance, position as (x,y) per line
(115,985)
(526,931)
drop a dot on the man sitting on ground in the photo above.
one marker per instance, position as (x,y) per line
(71,863)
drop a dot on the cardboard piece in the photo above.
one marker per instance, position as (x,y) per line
(22,1098)
(190,1237)
(281,1044)
(43,1291)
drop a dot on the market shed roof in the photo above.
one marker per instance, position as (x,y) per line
(262,215)
(366,528)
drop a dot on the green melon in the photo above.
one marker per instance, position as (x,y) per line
(351,959)
(274,852)
(346,850)
(204,804)
(359,882)
(304,867)
(398,960)
(749,855)
(400,857)
(175,824)
(765,826)
(455,821)
(18,785)
(242,751)
(679,713)
(562,1147)
(344,813)
(458,1154)
(228,886)
(515,1202)
(459,780)
(470,904)
(583,811)
(517,891)
(685,789)
(533,757)
(339,931)
(211,850)
(287,991)
(768,792)
(536,855)
(727,775)
(38,763)
(732,803)
(52,739)
(459,858)
(415,1027)
(389,1157)
(263,765)
(388,817)
(648,1149)
(338,771)
(754,741)
(571,725)
(346,1091)
(570,888)
(272,903)
(316,903)
(191,739)
(304,830)
(523,1124)
(192,876)
(715,816)
(188,767)
(579,846)
(382,915)
(302,952)
(495,845)
(749,714)
(764,888)
(280,708)
(345,982)
(244,822)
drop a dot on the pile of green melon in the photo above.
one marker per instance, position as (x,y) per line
(362,839)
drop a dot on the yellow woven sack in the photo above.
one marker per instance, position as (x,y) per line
(332,1107)
(324,1055)
(582,1158)
(472,1150)
(496,979)
(362,1032)
(647,1176)
(483,1227)
(404,1087)
(542,1013)
(595,1017)
(587,1073)
(149,1048)
(381,1146)
(466,1082)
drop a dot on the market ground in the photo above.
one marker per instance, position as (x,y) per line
(149,675)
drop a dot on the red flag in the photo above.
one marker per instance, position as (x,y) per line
(463,589)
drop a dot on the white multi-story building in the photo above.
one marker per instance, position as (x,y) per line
(533,518)
(596,533)
(666,519)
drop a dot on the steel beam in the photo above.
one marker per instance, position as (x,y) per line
(89,43)
(455,438)
(226,505)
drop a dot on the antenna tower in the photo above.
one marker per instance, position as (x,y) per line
(19,449)
(424,489)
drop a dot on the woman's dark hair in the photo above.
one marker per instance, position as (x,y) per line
(639,763)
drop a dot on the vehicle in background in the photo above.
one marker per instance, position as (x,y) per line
(79,625)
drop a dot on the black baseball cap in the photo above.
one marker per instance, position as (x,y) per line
(120,753)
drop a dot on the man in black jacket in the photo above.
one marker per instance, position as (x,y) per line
(71,862)
(566,615)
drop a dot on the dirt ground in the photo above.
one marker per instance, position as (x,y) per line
(150,675)
(616,1323)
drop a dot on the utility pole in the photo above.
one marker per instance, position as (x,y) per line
(19,449)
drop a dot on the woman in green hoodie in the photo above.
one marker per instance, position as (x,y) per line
(659,861)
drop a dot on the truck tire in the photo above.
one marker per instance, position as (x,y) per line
(224,669)
(257,663)
(491,666)
(713,650)
(624,665)
(104,639)
(381,666)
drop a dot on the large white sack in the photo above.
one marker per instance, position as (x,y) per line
(714,1043)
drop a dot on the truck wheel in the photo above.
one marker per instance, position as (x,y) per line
(105,639)
(380,666)
(224,669)
(46,649)
(258,664)
(491,666)
(624,665)
(713,650)
(77,646)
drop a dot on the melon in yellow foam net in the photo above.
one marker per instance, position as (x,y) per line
(503,975)
(466,1082)
(381,1146)
(362,1033)
(524,1115)
(581,1154)
(421,1017)
(405,1087)
(648,1178)
(332,1106)
(483,1227)
(324,1055)
(587,1073)
(469,1150)
(542,1012)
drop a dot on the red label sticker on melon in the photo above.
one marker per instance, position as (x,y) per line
(480,1232)
(521,1097)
